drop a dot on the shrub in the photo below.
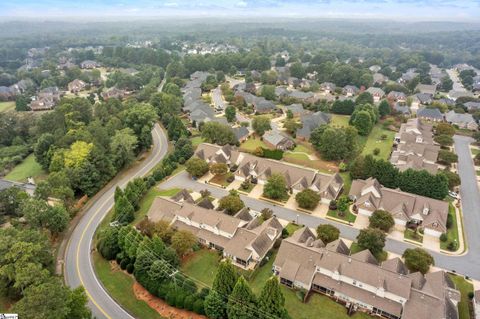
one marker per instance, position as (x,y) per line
(170,298)
(443,237)
(452,246)
(130,268)
(245,185)
(342,167)
(198,307)
(188,302)
(376,151)
(273,154)
(230,178)
(471,294)
(124,263)
(449,221)
(332,205)
(180,301)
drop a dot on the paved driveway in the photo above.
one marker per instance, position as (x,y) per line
(468,264)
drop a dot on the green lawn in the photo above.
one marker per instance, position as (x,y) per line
(221,179)
(119,287)
(197,140)
(411,235)
(375,140)
(7,106)
(28,168)
(202,265)
(452,232)
(291,228)
(146,202)
(252,144)
(347,180)
(302,148)
(168,192)
(465,307)
(349,217)
(340,120)
(296,156)
(475,151)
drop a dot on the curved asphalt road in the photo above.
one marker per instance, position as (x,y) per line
(78,263)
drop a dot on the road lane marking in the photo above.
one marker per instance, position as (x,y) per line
(139,173)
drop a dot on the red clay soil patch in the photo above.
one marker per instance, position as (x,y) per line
(161,306)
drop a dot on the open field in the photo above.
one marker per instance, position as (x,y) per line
(375,140)
(28,168)
(7,106)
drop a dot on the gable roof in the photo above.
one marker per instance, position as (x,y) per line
(430,113)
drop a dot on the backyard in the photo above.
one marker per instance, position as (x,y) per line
(465,307)
(197,140)
(252,144)
(28,168)
(340,120)
(201,265)
(380,139)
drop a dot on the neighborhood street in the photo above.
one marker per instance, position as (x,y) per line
(217,99)
(466,264)
(78,262)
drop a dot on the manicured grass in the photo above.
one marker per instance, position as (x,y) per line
(478,173)
(355,248)
(202,265)
(146,202)
(291,228)
(119,287)
(411,235)
(252,144)
(197,140)
(28,168)
(296,156)
(7,106)
(221,179)
(347,180)
(452,232)
(349,217)
(475,151)
(302,148)
(168,192)
(248,190)
(340,120)
(375,140)
(465,307)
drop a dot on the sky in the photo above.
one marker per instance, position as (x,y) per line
(406,10)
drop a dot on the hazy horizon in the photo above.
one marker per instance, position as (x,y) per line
(112,10)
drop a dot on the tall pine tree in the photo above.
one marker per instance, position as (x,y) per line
(215,307)
(242,303)
(272,302)
(223,284)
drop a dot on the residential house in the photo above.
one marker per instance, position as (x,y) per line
(241,133)
(22,86)
(89,64)
(414,147)
(301,96)
(46,99)
(258,169)
(358,281)
(262,106)
(328,87)
(113,93)
(426,88)
(6,93)
(350,90)
(396,96)
(281,92)
(375,68)
(424,98)
(277,140)
(415,104)
(455,94)
(464,121)
(296,109)
(407,76)
(29,187)
(76,86)
(243,238)
(379,78)
(377,93)
(311,122)
(402,108)
(293,82)
(430,114)
(472,106)
(427,213)
(447,101)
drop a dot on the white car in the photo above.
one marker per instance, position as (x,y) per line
(453,194)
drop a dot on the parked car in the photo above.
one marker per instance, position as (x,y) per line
(454,195)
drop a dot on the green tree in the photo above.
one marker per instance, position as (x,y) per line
(122,147)
(241,302)
(276,187)
(343,203)
(453,179)
(363,123)
(230,113)
(77,303)
(372,239)
(327,233)
(225,279)
(215,307)
(261,124)
(21,103)
(297,70)
(42,152)
(107,244)
(384,108)
(124,211)
(382,220)
(183,241)
(444,140)
(417,259)
(447,158)
(268,92)
(307,199)
(231,203)
(291,126)
(140,117)
(444,129)
(271,303)
(364,98)
(219,169)
(196,167)
(334,143)
(214,132)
